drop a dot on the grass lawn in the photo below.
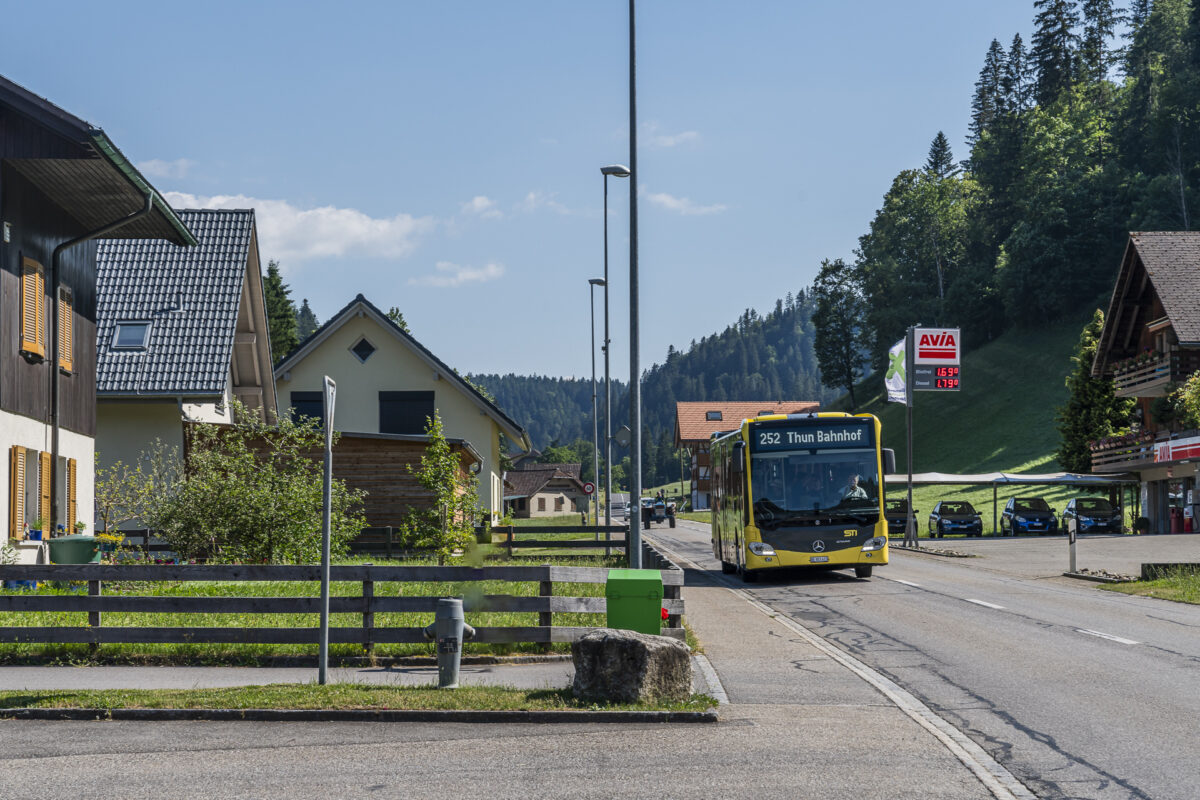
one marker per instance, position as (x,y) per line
(332,696)
(1182,588)
(218,653)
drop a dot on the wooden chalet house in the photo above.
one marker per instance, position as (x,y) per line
(1150,342)
(545,490)
(63,184)
(695,423)
(182,331)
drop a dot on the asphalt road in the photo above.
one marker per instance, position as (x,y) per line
(1080,693)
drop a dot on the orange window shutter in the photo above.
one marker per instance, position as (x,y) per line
(71,507)
(41,310)
(44,490)
(16,495)
(66,333)
(32,324)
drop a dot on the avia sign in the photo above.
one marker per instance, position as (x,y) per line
(937,346)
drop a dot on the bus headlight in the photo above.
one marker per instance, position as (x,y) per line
(878,543)
(761,549)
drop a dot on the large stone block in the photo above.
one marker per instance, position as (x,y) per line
(619,666)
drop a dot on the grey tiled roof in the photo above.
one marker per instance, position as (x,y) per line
(190,295)
(1172,259)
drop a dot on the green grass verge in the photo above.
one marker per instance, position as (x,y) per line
(218,653)
(333,696)
(1182,588)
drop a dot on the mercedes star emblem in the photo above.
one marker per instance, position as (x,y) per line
(818,546)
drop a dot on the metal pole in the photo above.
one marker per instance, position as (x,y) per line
(635,393)
(327,498)
(595,416)
(607,384)
(911,527)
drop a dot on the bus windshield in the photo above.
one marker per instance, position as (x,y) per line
(797,487)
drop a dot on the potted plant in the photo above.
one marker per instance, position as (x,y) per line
(35,532)
(80,527)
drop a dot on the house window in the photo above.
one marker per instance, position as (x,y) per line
(541,504)
(712,415)
(558,504)
(33,309)
(363,350)
(405,412)
(309,405)
(29,493)
(131,336)
(66,331)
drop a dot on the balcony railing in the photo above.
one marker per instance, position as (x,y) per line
(1151,378)
(1123,453)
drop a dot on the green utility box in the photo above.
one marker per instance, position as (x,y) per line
(73,549)
(634,599)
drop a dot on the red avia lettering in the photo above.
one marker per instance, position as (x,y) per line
(937,341)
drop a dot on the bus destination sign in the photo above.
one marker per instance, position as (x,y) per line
(766,438)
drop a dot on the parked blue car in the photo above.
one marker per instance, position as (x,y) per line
(954,516)
(1093,515)
(1028,515)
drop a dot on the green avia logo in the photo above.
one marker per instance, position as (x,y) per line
(895,366)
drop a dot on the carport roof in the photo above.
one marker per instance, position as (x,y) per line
(1014,479)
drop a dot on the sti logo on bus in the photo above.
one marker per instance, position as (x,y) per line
(937,345)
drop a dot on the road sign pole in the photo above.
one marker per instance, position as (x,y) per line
(323,655)
(910,530)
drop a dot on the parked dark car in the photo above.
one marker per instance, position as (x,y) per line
(1027,515)
(1093,514)
(954,516)
(896,514)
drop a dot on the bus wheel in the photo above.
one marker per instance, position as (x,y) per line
(864,571)
(728,568)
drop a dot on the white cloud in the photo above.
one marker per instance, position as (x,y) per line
(482,206)
(450,276)
(653,137)
(288,233)
(537,200)
(682,205)
(157,168)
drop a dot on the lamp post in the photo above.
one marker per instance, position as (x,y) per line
(634,546)
(616,171)
(592,284)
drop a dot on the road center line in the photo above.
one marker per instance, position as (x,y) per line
(1108,636)
(986,605)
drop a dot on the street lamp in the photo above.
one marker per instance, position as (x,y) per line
(592,284)
(616,171)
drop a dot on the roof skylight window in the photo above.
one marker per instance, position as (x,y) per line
(131,336)
(712,415)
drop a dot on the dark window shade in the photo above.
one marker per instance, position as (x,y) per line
(404,412)
(308,404)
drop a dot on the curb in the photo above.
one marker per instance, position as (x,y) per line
(351,715)
(931,552)
(1097,578)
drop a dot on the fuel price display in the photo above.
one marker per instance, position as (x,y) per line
(936,379)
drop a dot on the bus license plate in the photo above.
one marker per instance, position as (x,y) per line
(818,559)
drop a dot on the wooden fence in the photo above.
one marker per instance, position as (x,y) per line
(514,539)
(95,603)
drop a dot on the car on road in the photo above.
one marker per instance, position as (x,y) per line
(1027,515)
(954,516)
(896,514)
(1093,515)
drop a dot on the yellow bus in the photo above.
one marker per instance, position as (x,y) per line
(799,490)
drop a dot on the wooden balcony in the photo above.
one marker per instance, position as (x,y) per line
(1151,378)
(1123,454)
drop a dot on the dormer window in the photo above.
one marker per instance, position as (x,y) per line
(713,416)
(363,350)
(131,336)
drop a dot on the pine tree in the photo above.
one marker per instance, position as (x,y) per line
(840,320)
(985,106)
(1099,25)
(306,321)
(940,163)
(1092,411)
(1054,42)
(1015,81)
(281,313)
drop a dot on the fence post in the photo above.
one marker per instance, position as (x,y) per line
(368,614)
(546,618)
(510,541)
(389,542)
(672,593)
(94,590)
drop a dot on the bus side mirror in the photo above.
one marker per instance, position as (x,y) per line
(889,461)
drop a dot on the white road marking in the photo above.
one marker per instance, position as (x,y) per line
(999,781)
(982,603)
(1108,636)
(906,583)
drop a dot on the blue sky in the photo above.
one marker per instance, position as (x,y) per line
(444,157)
